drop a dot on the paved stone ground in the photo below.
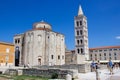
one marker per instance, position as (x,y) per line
(1,78)
(114,78)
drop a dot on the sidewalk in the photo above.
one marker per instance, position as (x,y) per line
(104,75)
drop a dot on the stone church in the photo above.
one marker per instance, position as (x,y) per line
(39,46)
(42,46)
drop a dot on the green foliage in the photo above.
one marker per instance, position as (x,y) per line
(54,76)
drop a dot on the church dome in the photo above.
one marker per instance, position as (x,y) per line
(42,26)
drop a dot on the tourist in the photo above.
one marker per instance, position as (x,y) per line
(93,66)
(110,66)
(119,65)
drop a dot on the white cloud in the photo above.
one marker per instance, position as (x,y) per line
(118,37)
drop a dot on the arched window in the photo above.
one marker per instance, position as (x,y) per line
(77,32)
(81,41)
(15,41)
(18,40)
(78,50)
(78,42)
(77,23)
(80,22)
(81,32)
(52,56)
(81,50)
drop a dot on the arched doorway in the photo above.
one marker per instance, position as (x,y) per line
(17,56)
(39,61)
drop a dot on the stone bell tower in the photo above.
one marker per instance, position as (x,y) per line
(81,37)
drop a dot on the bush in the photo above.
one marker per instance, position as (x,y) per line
(54,76)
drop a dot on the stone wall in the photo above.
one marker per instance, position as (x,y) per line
(81,68)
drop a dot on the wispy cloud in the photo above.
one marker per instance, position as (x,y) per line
(118,37)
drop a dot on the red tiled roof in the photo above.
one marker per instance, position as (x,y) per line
(105,47)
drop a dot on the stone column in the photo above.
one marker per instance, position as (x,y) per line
(68,77)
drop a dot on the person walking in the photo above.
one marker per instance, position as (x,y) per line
(110,66)
(93,66)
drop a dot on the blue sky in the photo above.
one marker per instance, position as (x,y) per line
(17,16)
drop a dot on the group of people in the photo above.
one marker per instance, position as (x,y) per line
(95,66)
(110,66)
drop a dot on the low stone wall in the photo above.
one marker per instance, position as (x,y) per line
(82,68)
(46,72)
(39,72)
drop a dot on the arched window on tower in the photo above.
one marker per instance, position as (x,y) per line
(78,42)
(77,23)
(80,22)
(78,50)
(77,32)
(81,32)
(81,41)
(81,50)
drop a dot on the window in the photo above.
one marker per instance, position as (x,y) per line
(100,50)
(15,41)
(7,50)
(77,23)
(58,56)
(81,50)
(104,58)
(78,50)
(81,41)
(110,58)
(115,49)
(95,54)
(18,40)
(100,54)
(91,50)
(77,32)
(104,54)
(96,51)
(115,58)
(52,56)
(109,54)
(105,50)
(110,49)
(80,22)
(115,54)
(78,42)
(81,32)
(91,55)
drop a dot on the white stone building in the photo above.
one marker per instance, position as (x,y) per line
(40,46)
(81,37)
(103,54)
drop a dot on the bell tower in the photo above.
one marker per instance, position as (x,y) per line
(81,37)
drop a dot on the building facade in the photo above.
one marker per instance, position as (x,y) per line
(103,54)
(81,37)
(40,46)
(6,54)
